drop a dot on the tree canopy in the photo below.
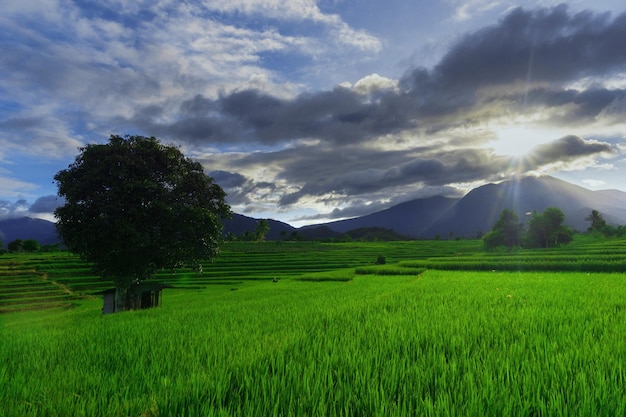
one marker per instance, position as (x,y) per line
(506,232)
(544,230)
(597,221)
(133,206)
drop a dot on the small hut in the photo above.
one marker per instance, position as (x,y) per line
(140,296)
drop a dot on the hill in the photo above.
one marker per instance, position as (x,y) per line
(478,210)
(25,228)
(411,218)
(239,224)
(470,216)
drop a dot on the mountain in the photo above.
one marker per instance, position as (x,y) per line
(478,210)
(26,228)
(411,218)
(470,216)
(239,224)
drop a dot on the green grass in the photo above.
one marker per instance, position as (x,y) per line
(443,343)
(63,274)
(336,335)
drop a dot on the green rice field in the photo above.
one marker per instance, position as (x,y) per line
(442,329)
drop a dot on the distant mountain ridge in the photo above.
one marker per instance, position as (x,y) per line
(477,212)
(411,218)
(24,228)
(470,216)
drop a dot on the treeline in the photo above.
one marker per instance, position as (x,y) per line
(29,246)
(599,225)
(545,230)
(321,234)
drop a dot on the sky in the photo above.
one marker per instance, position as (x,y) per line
(308,111)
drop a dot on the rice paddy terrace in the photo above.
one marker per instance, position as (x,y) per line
(61,279)
(524,333)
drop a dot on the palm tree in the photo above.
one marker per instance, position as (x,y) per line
(597,221)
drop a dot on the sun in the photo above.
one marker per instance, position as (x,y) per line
(518,142)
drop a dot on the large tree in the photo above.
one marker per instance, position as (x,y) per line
(506,232)
(546,230)
(262,229)
(598,224)
(134,206)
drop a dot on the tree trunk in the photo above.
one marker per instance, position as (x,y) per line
(121,298)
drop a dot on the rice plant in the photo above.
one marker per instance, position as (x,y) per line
(444,343)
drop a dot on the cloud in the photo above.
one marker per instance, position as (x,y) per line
(8,210)
(565,150)
(12,187)
(469,8)
(301,10)
(525,63)
(594,183)
(373,83)
(101,61)
(43,207)
(46,204)
(536,45)
(214,77)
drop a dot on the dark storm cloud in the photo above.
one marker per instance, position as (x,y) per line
(576,107)
(335,174)
(541,45)
(531,47)
(566,149)
(241,190)
(46,204)
(338,116)
(227,179)
(526,63)
(354,172)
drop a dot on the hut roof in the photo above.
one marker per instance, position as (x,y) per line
(141,287)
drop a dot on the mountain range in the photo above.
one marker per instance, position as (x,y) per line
(469,216)
(475,213)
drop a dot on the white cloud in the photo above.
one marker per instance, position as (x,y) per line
(301,10)
(593,183)
(467,9)
(374,82)
(14,188)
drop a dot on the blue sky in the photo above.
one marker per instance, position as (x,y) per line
(307,111)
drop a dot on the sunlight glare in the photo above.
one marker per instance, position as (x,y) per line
(519,141)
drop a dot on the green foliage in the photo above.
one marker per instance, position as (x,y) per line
(597,221)
(546,230)
(16,245)
(134,206)
(599,225)
(262,229)
(31,245)
(506,232)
